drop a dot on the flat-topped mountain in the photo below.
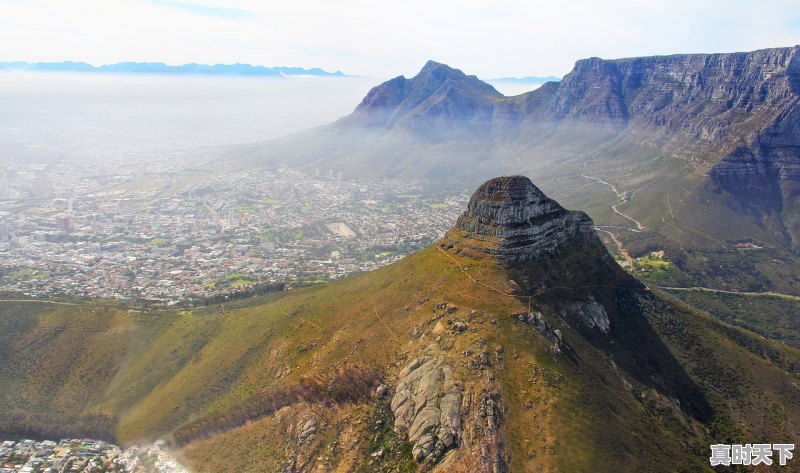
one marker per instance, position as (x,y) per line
(736,114)
(514,335)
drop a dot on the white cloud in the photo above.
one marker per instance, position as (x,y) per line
(386,38)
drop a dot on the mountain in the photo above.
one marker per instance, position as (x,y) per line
(161,68)
(515,343)
(438,123)
(733,116)
(695,155)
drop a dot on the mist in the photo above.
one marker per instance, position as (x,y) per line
(89,117)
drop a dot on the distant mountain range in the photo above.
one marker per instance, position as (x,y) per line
(730,120)
(161,68)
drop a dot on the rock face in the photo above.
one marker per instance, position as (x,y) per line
(537,320)
(591,313)
(511,219)
(426,407)
(306,427)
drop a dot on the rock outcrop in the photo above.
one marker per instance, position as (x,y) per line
(536,319)
(591,313)
(510,218)
(426,407)
(305,428)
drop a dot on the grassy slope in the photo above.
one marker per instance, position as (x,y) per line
(155,372)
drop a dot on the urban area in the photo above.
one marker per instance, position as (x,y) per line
(84,455)
(173,231)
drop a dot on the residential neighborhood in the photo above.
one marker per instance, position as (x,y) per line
(84,455)
(167,237)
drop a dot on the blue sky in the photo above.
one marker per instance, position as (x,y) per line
(384,38)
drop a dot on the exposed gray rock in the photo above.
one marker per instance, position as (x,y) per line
(591,313)
(510,218)
(479,361)
(427,406)
(306,427)
(488,410)
(380,392)
(536,319)
(289,467)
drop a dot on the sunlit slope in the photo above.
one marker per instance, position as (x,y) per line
(199,378)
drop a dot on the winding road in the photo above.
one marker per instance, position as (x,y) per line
(639,226)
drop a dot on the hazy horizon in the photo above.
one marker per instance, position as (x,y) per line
(74,114)
(80,116)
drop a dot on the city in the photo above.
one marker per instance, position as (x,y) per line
(177,232)
(86,455)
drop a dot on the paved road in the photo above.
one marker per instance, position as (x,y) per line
(741,293)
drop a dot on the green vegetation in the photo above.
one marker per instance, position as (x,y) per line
(772,317)
(652,267)
(244,209)
(230,382)
(235,276)
(241,282)
(158,242)
(25,274)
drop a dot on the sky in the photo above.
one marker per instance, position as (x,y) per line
(386,38)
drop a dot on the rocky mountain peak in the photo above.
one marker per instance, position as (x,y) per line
(434,74)
(510,218)
(437,91)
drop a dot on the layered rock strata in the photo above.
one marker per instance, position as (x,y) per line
(510,218)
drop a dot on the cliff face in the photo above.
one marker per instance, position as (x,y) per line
(735,115)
